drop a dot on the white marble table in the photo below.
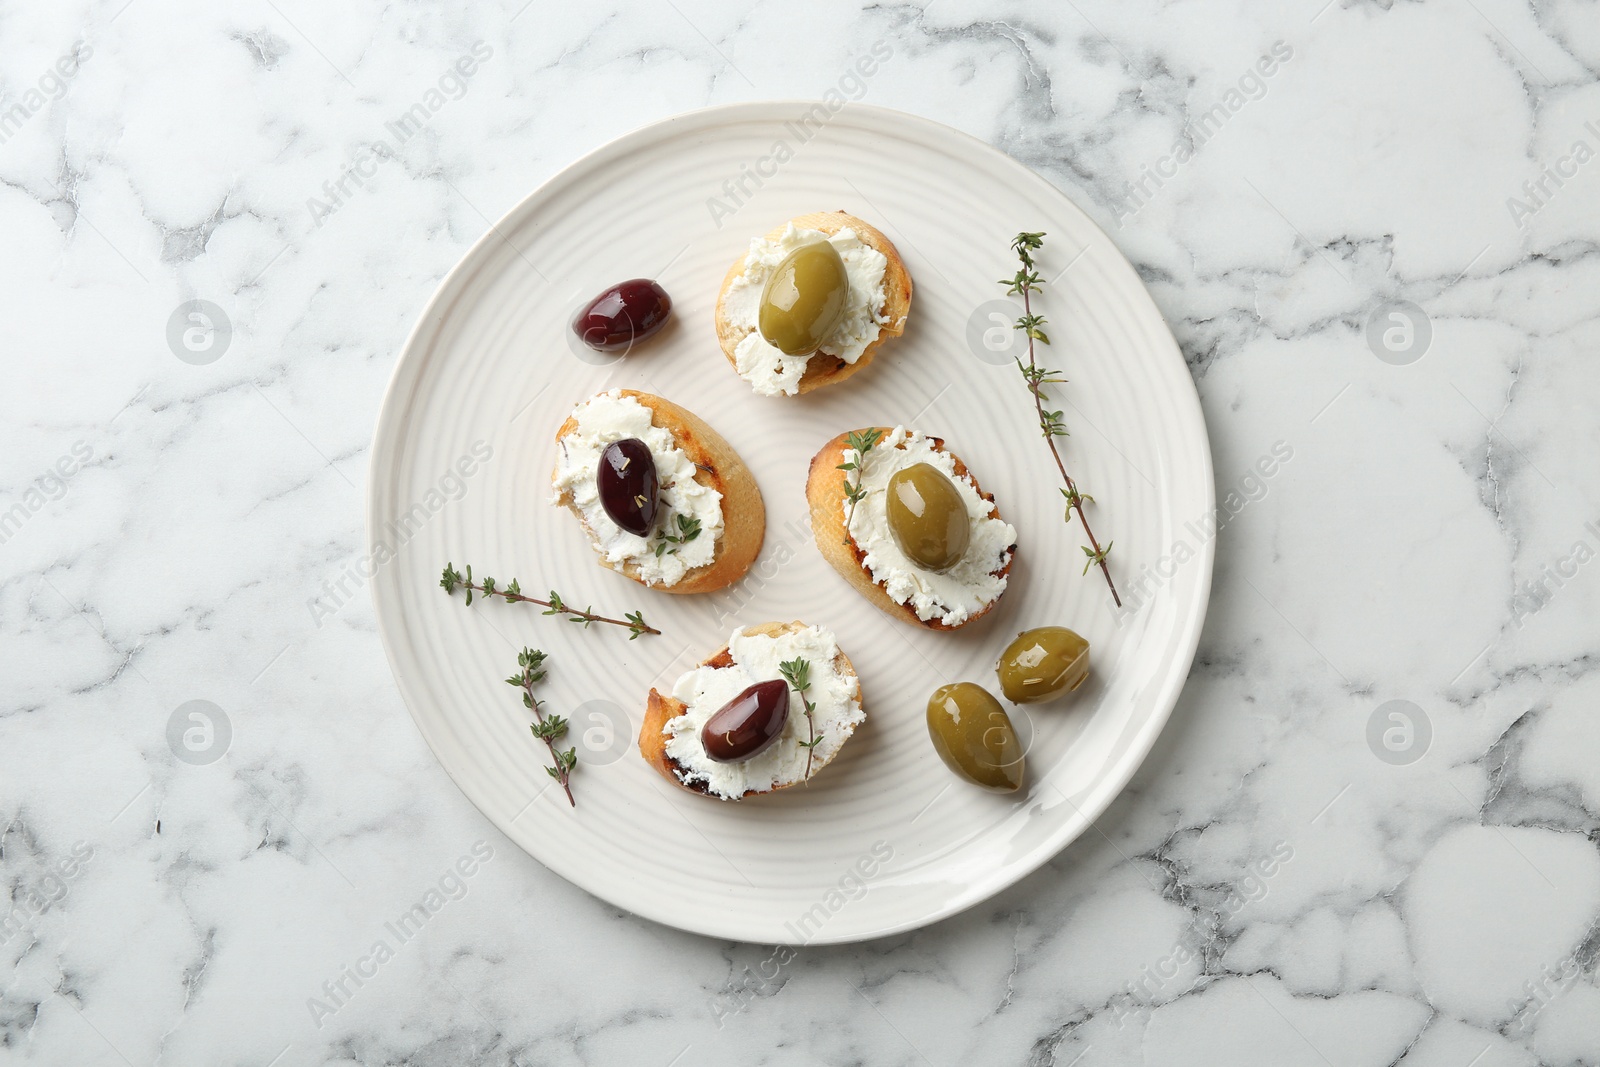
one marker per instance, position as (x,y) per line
(1357,272)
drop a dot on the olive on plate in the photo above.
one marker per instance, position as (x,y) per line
(1042,664)
(628,486)
(627,312)
(804,299)
(748,724)
(973,735)
(927,517)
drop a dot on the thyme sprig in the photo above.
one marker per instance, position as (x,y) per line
(688,530)
(861,442)
(797,672)
(512,593)
(547,728)
(1051,423)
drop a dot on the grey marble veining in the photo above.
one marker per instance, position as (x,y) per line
(1303,872)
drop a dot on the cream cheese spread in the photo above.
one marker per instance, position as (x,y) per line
(610,417)
(950,597)
(756,658)
(768,370)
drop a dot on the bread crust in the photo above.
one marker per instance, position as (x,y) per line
(660,709)
(744,515)
(823,369)
(825,492)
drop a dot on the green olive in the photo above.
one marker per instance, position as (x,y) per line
(927,517)
(973,735)
(804,299)
(1042,664)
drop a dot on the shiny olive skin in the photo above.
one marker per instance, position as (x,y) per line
(627,312)
(1042,664)
(927,517)
(748,724)
(973,735)
(804,299)
(628,486)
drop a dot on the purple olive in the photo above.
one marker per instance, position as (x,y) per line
(627,480)
(627,312)
(747,724)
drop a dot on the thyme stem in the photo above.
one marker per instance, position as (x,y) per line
(797,672)
(548,728)
(1050,424)
(512,593)
(860,442)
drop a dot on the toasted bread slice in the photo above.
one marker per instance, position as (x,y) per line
(661,709)
(825,492)
(824,369)
(744,516)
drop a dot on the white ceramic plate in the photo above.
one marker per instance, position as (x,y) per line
(885,839)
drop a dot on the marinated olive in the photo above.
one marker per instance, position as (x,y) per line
(804,299)
(973,735)
(627,312)
(748,724)
(1042,664)
(627,481)
(927,517)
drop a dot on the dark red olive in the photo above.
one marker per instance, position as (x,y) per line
(627,312)
(747,724)
(627,480)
